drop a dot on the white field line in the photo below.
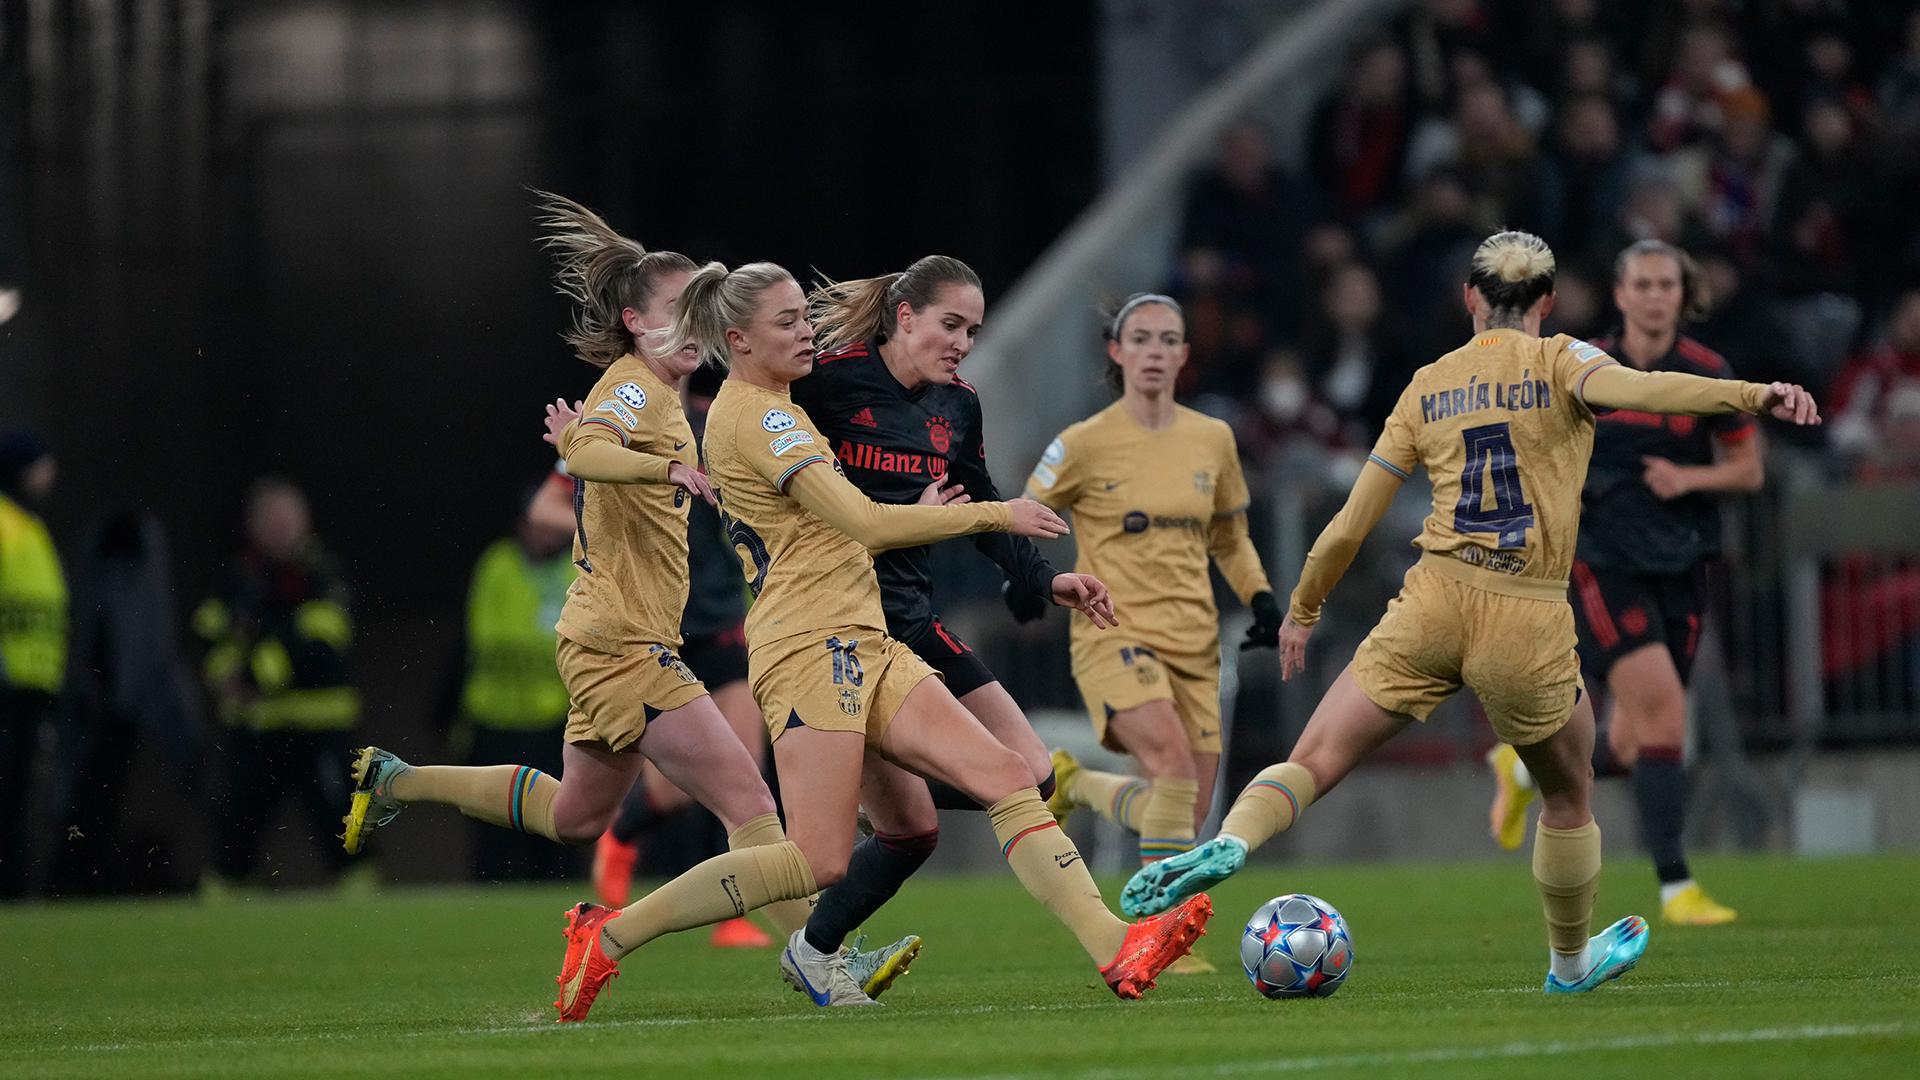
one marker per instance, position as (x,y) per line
(1440,1055)
(1505,1050)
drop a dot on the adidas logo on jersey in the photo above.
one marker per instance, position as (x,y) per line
(864,418)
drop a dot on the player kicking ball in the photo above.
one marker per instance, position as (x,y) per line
(1505,427)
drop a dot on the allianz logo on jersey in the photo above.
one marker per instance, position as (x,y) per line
(863,456)
(1529,393)
(1504,562)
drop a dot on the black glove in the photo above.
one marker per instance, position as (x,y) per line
(1265,631)
(1025,604)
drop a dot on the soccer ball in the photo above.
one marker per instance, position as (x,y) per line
(1296,946)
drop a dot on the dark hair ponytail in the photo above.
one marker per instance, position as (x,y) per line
(844,312)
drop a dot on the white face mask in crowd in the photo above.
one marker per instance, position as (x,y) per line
(1284,398)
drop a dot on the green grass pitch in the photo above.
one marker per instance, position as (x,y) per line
(1821,977)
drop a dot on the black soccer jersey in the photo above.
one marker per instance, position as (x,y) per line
(715,601)
(1623,524)
(892,442)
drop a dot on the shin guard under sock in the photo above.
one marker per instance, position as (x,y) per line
(880,865)
(1050,867)
(1166,825)
(1566,867)
(785,915)
(724,887)
(1269,805)
(1120,799)
(1660,794)
(515,796)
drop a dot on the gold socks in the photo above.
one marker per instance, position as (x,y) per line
(785,915)
(1050,867)
(1120,799)
(1566,867)
(1166,825)
(723,887)
(1270,804)
(515,796)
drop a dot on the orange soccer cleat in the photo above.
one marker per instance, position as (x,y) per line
(613,863)
(739,933)
(1153,944)
(586,970)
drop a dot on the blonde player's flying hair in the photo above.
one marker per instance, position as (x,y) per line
(606,274)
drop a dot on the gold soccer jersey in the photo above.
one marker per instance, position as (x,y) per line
(1149,507)
(1482,417)
(804,573)
(816,633)
(631,545)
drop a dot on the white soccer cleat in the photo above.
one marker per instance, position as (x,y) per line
(823,979)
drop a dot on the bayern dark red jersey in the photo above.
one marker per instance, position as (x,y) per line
(1623,524)
(892,442)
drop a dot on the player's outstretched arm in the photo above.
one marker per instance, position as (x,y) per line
(1615,386)
(1332,553)
(878,527)
(600,455)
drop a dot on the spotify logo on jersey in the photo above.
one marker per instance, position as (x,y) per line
(1134,522)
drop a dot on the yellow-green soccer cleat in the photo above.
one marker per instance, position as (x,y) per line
(1508,818)
(1693,907)
(1061,805)
(874,971)
(372,806)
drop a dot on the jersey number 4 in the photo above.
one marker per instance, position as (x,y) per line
(1490,454)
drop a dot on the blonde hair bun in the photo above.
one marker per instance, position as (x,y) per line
(1514,257)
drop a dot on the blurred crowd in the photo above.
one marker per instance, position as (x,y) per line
(110,722)
(1778,141)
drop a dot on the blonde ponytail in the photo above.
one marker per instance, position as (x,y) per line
(602,272)
(714,300)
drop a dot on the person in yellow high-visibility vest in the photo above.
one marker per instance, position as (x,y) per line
(510,696)
(279,666)
(33,642)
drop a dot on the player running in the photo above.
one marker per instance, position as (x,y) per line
(833,687)
(1156,491)
(1648,527)
(1504,426)
(635,468)
(905,428)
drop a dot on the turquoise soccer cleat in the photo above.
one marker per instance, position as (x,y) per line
(1160,885)
(1615,950)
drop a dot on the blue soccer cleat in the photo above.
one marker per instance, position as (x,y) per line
(1615,950)
(1160,885)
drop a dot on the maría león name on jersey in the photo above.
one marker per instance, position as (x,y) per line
(1476,395)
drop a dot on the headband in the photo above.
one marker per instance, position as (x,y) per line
(1126,309)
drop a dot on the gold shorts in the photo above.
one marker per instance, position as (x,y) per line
(1517,654)
(847,679)
(1116,674)
(611,698)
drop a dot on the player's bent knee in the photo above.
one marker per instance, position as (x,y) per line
(827,871)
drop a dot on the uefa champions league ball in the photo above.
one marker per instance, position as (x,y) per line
(1296,946)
